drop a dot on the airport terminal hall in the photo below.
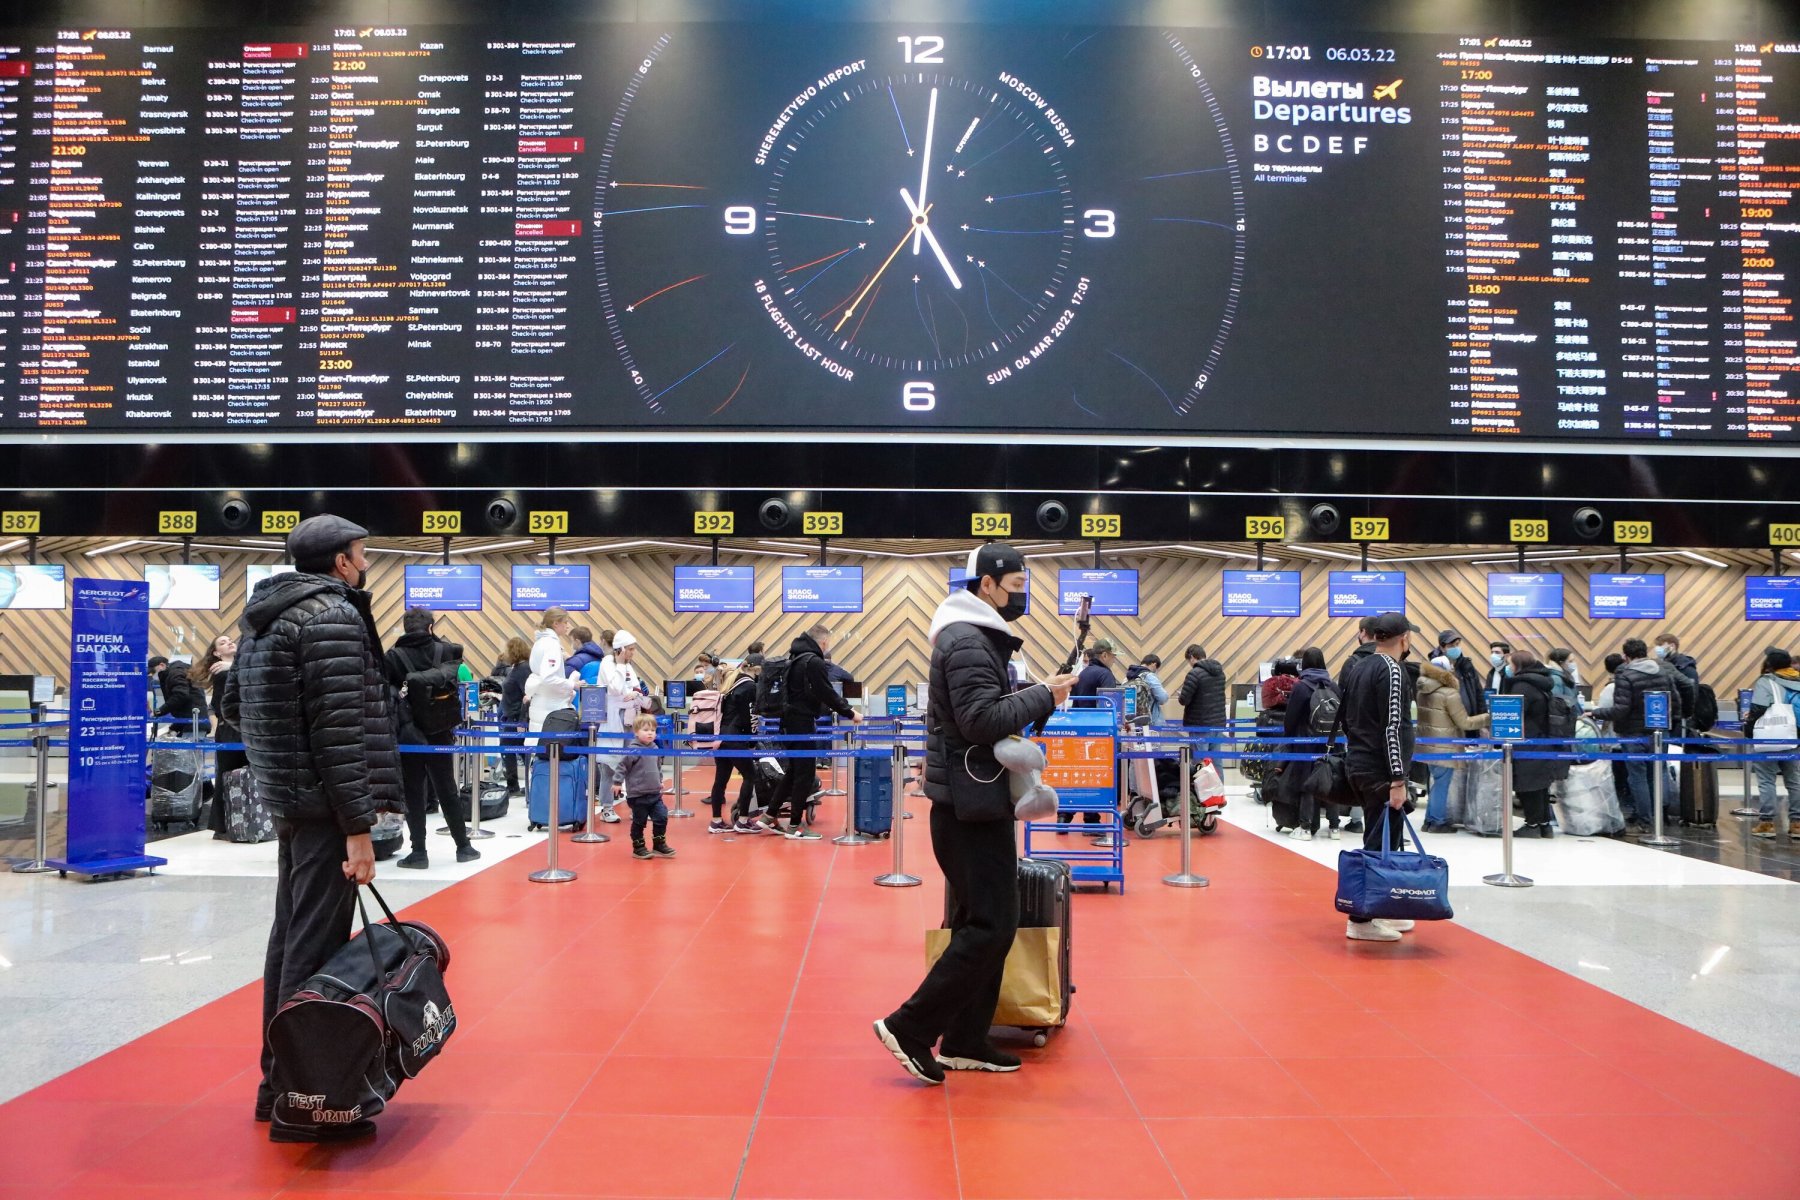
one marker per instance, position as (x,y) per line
(899,599)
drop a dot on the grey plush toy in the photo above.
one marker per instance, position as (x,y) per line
(1033,799)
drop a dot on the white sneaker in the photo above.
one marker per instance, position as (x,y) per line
(1370,931)
(1334,833)
(1300,835)
(1396,926)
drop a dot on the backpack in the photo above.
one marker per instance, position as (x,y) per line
(1560,718)
(1327,702)
(1776,729)
(703,719)
(431,695)
(771,687)
(1706,707)
(1147,712)
(562,720)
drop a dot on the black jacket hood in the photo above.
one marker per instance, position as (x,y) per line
(278,593)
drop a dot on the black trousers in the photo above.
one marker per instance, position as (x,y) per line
(435,771)
(1536,803)
(1374,796)
(722,769)
(313,907)
(956,1002)
(801,780)
(509,763)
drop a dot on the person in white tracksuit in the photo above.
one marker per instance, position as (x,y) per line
(624,700)
(549,687)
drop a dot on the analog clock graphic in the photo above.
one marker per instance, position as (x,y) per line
(897,229)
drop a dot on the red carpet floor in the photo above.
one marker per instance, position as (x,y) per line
(700,1027)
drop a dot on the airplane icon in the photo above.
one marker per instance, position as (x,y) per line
(1388,91)
(1493,41)
(1766,48)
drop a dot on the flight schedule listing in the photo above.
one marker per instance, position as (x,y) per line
(895,227)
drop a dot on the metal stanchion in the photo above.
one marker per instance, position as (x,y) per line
(897,828)
(837,787)
(1186,877)
(850,837)
(552,873)
(1747,809)
(675,785)
(1506,878)
(471,761)
(591,833)
(41,746)
(1658,786)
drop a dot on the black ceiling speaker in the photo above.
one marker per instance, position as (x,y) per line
(1324,519)
(1053,516)
(774,514)
(1589,523)
(501,513)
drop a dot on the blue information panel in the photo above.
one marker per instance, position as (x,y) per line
(537,587)
(109,642)
(1772,598)
(1656,710)
(896,699)
(1367,593)
(1115,593)
(1261,593)
(821,589)
(1626,597)
(31,586)
(960,576)
(715,589)
(1508,713)
(1525,596)
(675,693)
(454,588)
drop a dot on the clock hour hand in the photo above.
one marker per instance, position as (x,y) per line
(921,226)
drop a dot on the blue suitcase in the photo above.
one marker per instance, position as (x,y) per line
(874,790)
(572,803)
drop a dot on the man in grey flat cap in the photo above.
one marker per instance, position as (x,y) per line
(310,698)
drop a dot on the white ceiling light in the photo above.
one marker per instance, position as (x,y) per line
(114,548)
(14,545)
(1697,557)
(512,545)
(1309,549)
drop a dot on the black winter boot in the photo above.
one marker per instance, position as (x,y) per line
(638,849)
(662,849)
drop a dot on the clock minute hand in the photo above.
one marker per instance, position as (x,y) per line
(922,228)
(925,162)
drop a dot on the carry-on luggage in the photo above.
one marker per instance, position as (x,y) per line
(374,1016)
(247,818)
(388,835)
(1279,788)
(176,785)
(1699,788)
(495,801)
(1035,990)
(874,791)
(1475,800)
(1587,804)
(572,804)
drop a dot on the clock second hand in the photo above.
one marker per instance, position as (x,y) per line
(898,246)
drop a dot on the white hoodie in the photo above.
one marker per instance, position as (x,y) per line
(964,605)
(623,702)
(548,687)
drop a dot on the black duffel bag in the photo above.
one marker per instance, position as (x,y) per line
(369,1020)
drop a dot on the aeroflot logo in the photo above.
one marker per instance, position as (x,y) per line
(1412,892)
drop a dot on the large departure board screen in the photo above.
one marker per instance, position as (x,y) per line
(944,227)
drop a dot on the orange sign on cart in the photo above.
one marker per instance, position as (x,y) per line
(1079,762)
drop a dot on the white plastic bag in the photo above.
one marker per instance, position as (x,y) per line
(1475,800)
(1587,802)
(1207,784)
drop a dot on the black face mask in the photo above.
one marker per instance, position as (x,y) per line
(362,577)
(1014,608)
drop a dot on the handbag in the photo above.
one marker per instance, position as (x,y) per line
(1031,987)
(1328,780)
(1399,885)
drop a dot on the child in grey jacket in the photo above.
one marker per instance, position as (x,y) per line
(642,778)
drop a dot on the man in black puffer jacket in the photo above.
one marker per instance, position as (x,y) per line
(809,694)
(1202,694)
(310,698)
(972,706)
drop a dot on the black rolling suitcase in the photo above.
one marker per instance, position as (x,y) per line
(1699,788)
(495,801)
(1046,888)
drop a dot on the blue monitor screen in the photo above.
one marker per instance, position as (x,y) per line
(1538,596)
(1367,593)
(960,576)
(1261,593)
(1772,598)
(821,589)
(537,587)
(715,589)
(1626,597)
(1115,593)
(455,588)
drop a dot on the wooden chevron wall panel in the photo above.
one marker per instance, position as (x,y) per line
(1180,603)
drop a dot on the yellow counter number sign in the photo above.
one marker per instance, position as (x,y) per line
(1632,533)
(280,522)
(1532,531)
(1265,529)
(714,524)
(183,521)
(990,524)
(1784,534)
(545,524)
(822,524)
(443,522)
(1368,529)
(1102,525)
(21,522)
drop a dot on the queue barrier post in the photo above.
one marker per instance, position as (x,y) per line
(590,833)
(1658,786)
(675,783)
(897,825)
(552,872)
(850,836)
(1506,878)
(41,749)
(838,787)
(1186,878)
(471,760)
(1747,808)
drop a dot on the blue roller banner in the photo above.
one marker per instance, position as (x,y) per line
(109,643)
